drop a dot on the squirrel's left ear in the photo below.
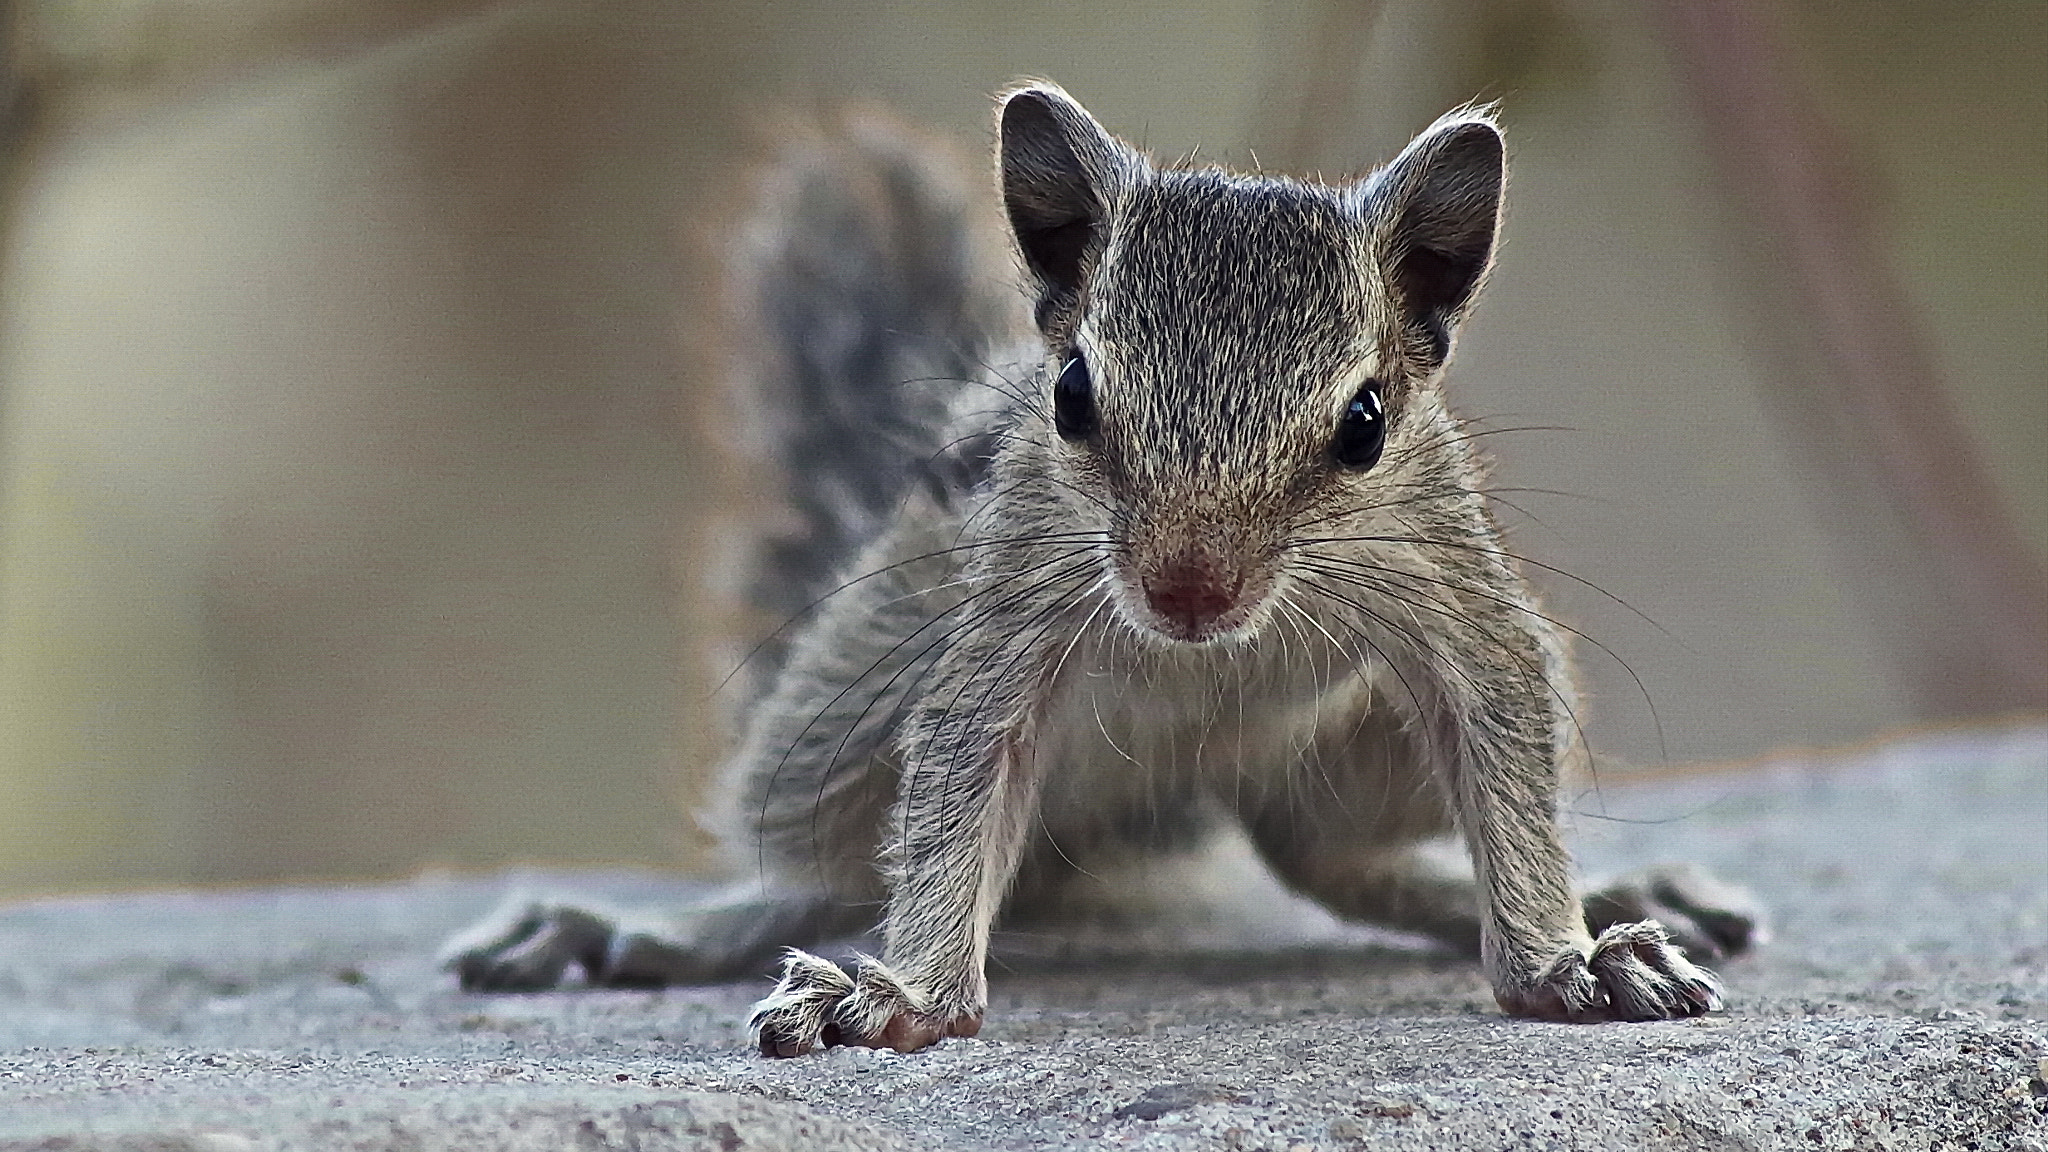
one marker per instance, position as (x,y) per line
(1435,212)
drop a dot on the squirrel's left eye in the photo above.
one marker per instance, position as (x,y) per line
(1362,431)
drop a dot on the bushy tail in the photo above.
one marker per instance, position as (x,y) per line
(861,302)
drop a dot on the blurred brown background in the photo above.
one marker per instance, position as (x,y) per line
(348,513)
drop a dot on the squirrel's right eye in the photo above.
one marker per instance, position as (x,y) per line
(1073,401)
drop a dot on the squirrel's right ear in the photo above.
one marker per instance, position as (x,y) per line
(1060,171)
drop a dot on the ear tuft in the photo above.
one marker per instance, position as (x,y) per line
(1060,172)
(1438,212)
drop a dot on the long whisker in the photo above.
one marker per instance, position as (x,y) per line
(1642,689)
(1043,619)
(804,612)
(1068,567)
(1420,645)
(1311,751)
(1431,542)
(1534,673)
(1432,493)
(1363,637)
(1359,634)
(797,741)
(1461,435)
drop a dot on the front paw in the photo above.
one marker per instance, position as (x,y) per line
(1634,972)
(817,1003)
(529,949)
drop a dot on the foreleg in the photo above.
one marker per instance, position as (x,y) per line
(969,792)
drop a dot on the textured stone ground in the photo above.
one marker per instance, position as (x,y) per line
(1902,1005)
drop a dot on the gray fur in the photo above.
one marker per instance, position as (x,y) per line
(1009,679)
(863,306)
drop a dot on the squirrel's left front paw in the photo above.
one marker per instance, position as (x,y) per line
(1634,972)
(818,1003)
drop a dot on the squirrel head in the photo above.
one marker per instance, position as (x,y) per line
(1234,358)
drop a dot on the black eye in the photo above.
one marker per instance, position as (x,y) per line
(1362,432)
(1073,401)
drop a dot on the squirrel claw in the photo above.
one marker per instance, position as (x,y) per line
(1634,972)
(817,1004)
(793,1019)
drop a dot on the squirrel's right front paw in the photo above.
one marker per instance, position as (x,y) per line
(817,1003)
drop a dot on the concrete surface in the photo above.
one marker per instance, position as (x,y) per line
(1903,1005)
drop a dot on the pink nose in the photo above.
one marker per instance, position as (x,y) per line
(1192,596)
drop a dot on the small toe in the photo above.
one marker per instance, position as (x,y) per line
(1648,978)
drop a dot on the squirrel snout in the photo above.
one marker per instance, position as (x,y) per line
(1192,598)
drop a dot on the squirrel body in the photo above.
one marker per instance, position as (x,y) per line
(1217,549)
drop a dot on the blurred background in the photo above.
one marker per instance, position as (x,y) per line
(351,520)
